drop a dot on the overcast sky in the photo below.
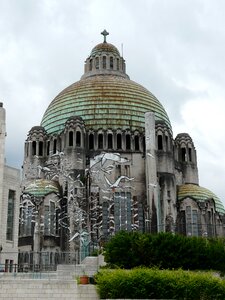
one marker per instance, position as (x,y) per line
(175,48)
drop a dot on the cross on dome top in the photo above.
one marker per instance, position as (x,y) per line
(104,33)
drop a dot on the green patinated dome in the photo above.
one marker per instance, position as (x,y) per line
(103,101)
(199,193)
(105,97)
(41,187)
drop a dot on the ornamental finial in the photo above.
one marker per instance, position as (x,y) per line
(104,33)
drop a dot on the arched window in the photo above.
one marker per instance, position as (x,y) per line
(40,150)
(128,144)
(111,62)
(118,64)
(104,62)
(122,65)
(190,154)
(192,226)
(160,142)
(100,141)
(183,154)
(119,141)
(136,143)
(91,141)
(48,147)
(110,141)
(54,146)
(78,139)
(167,142)
(71,138)
(27,149)
(34,148)
(90,66)
(97,63)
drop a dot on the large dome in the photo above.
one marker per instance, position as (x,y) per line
(105,97)
(103,102)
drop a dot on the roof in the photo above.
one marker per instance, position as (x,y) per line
(41,187)
(104,48)
(104,101)
(199,193)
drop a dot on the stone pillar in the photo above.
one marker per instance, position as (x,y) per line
(2,162)
(151,174)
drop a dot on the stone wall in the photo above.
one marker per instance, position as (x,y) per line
(35,289)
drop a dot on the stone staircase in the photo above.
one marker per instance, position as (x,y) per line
(34,289)
(61,284)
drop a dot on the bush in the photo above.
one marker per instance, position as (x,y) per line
(145,283)
(165,250)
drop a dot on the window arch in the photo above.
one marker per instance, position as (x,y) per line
(136,143)
(27,149)
(190,154)
(70,138)
(100,141)
(117,64)
(104,62)
(34,148)
(78,138)
(128,142)
(90,66)
(97,63)
(160,142)
(167,142)
(40,148)
(110,141)
(91,141)
(192,226)
(54,146)
(48,147)
(111,62)
(119,141)
(183,154)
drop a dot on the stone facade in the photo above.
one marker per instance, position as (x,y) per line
(9,204)
(108,144)
(34,289)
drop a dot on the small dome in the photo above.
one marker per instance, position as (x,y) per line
(104,48)
(199,193)
(37,128)
(41,187)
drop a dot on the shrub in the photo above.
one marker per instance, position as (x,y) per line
(145,283)
(165,250)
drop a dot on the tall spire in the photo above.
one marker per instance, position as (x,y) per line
(104,33)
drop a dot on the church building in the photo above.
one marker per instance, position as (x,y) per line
(104,159)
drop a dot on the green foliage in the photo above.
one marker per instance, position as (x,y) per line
(145,283)
(165,250)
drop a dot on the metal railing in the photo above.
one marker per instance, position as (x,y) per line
(29,261)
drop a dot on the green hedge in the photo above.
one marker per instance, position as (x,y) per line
(145,283)
(165,250)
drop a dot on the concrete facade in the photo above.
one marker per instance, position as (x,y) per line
(9,204)
(108,143)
